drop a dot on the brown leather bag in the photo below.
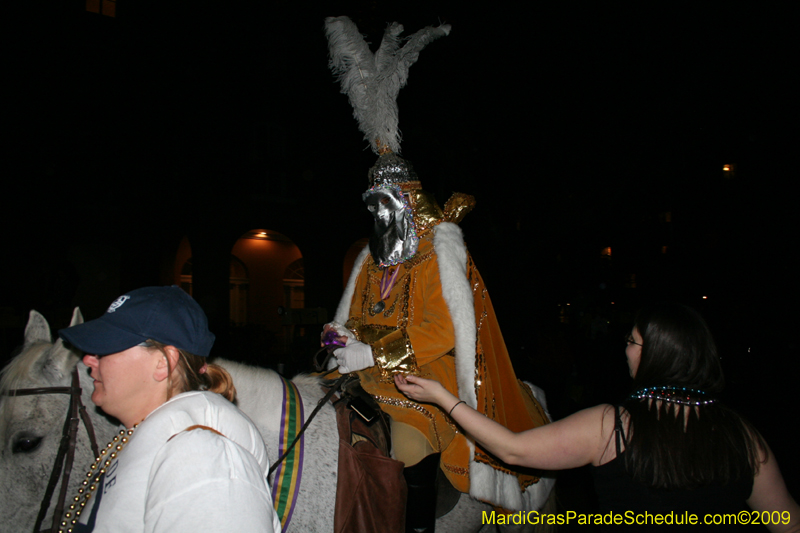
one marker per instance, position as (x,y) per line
(370,490)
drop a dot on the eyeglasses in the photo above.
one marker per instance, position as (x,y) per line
(630,341)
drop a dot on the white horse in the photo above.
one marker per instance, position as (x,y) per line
(31,426)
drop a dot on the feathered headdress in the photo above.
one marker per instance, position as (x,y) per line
(372,82)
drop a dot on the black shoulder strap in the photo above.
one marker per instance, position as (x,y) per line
(618,431)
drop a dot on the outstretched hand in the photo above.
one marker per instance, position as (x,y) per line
(423,390)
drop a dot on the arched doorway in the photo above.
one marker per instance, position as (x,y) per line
(274,271)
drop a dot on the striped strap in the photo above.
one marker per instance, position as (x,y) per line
(286,484)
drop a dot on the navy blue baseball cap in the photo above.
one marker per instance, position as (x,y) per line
(164,314)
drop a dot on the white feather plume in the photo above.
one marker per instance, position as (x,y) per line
(373,81)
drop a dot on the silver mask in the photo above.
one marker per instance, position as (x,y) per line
(394,237)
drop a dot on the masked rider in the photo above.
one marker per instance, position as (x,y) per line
(416,304)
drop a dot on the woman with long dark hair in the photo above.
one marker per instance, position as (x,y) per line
(670,447)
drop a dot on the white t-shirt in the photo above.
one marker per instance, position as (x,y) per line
(167,479)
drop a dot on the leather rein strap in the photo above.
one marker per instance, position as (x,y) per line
(66,450)
(321,402)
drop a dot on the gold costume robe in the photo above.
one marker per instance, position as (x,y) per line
(438,322)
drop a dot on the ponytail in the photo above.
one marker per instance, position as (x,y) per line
(218,380)
(187,375)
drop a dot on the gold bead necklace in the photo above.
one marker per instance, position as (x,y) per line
(91,482)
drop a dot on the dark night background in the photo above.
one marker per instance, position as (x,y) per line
(577,127)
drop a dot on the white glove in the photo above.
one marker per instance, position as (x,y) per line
(354,357)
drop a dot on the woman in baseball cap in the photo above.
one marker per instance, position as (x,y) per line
(188,459)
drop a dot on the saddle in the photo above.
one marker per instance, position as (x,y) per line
(370,489)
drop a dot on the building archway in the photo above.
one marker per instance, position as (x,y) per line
(275,281)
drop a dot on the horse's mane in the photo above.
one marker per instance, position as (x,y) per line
(20,366)
(309,379)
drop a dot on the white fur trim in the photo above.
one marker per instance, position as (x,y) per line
(485,483)
(499,488)
(451,253)
(540,396)
(343,311)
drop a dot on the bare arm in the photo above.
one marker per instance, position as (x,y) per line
(577,440)
(770,494)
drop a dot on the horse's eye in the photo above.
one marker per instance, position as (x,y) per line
(26,444)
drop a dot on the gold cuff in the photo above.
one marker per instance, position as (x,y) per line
(391,348)
(394,355)
(368,334)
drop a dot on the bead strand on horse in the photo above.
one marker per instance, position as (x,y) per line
(31,425)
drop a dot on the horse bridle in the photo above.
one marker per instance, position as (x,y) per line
(66,450)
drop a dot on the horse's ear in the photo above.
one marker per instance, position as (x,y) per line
(59,361)
(37,330)
(77,317)
(55,362)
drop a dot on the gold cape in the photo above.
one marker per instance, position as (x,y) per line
(438,322)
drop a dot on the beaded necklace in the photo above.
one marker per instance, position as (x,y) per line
(679,395)
(92,480)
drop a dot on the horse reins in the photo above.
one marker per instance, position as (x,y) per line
(336,386)
(66,450)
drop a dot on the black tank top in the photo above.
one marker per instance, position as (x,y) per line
(619,493)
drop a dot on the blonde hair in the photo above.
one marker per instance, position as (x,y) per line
(187,375)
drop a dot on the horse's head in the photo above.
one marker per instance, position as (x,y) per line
(41,363)
(31,426)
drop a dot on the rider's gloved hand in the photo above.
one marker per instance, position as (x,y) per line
(354,357)
(342,332)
